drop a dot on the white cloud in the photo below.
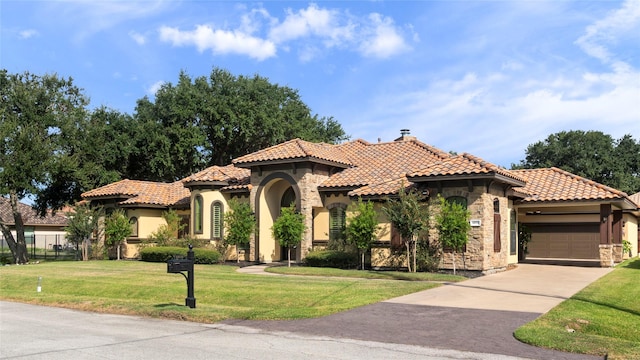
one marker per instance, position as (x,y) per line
(153,89)
(29,33)
(219,41)
(309,30)
(382,38)
(312,21)
(605,32)
(137,37)
(86,18)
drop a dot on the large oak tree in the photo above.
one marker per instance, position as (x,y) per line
(207,121)
(35,114)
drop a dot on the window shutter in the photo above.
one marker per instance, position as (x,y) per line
(217,221)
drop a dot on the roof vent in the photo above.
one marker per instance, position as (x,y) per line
(404,135)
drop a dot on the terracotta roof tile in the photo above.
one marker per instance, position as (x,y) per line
(228,174)
(295,149)
(635,198)
(381,162)
(30,216)
(465,164)
(388,187)
(139,192)
(553,184)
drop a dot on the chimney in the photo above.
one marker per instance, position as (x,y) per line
(405,135)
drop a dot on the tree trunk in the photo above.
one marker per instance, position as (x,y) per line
(408,256)
(289,257)
(17,245)
(415,261)
(85,249)
(453,255)
(118,250)
(362,259)
(237,254)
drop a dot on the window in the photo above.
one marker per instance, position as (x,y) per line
(497,243)
(513,229)
(458,200)
(216,220)
(197,214)
(337,222)
(134,226)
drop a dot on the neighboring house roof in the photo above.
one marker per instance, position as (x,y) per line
(136,192)
(557,185)
(635,198)
(295,150)
(30,216)
(465,166)
(229,177)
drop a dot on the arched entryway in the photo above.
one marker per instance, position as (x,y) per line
(275,191)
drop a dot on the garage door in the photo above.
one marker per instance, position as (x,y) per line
(565,241)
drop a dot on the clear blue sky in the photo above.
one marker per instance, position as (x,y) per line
(484,77)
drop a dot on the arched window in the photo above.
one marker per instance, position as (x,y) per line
(217,226)
(337,222)
(458,200)
(134,226)
(288,198)
(197,214)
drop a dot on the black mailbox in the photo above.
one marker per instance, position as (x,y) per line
(179,265)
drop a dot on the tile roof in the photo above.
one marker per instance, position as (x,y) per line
(635,198)
(230,175)
(138,192)
(389,187)
(553,184)
(380,163)
(295,149)
(465,164)
(30,216)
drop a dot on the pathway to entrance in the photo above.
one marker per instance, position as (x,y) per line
(477,315)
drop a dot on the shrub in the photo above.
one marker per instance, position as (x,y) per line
(332,258)
(165,253)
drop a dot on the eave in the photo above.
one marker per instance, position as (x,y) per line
(487,176)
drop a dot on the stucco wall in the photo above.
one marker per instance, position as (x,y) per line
(630,232)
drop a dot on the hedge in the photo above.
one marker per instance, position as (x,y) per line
(164,253)
(332,258)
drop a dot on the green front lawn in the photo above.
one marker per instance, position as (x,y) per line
(146,289)
(602,318)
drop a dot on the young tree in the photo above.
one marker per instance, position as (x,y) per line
(166,234)
(35,112)
(409,214)
(116,229)
(81,225)
(288,229)
(452,222)
(240,223)
(362,227)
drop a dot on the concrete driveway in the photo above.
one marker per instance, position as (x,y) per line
(478,315)
(529,287)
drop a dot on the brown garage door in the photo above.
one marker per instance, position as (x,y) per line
(565,241)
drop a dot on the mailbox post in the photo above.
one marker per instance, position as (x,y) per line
(177,266)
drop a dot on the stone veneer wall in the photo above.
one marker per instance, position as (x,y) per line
(606,255)
(479,254)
